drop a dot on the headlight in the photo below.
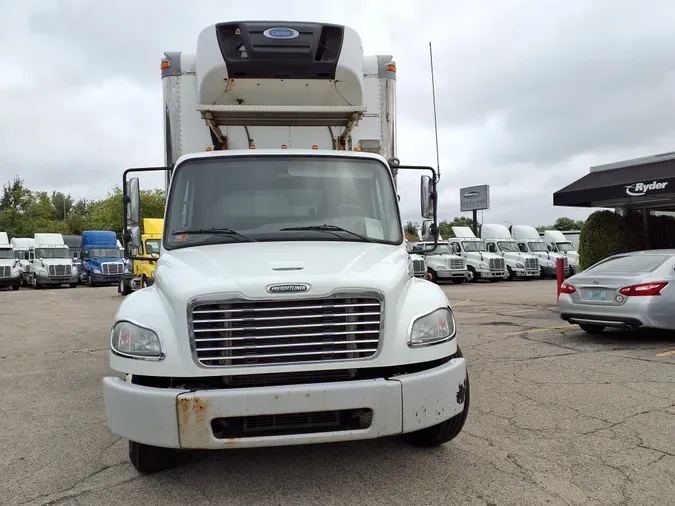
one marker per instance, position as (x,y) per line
(134,341)
(16,273)
(483,266)
(42,272)
(434,328)
(549,264)
(74,270)
(97,271)
(519,265)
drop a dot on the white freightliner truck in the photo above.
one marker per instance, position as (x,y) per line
(497,239)
(442,264)
(285,308)
(480,263)
(10,272)
(22,247)
(419,265)
(556,241)
(51,262)
(529,241)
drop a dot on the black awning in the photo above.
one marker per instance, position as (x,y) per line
(627,185)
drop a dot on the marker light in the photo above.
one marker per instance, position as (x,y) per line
(252,146)
(209,148)
(356,148)
(165,65)
(315,146)
(283,146)
(391,67)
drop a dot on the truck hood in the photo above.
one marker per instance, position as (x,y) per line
(476,255)
(248,268)
(54,261)
(517,256)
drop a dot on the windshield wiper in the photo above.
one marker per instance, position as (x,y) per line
(215,231)
(328,228)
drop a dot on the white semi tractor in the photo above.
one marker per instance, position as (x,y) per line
(497,239)
(557,242)
(480,263)
(51,263)
(22,247)
(442,264)
(10,273)
(529,241)
(285,309)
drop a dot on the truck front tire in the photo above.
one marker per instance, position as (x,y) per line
(443,432)
(150,459)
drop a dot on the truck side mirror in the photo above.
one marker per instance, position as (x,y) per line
(133,204)
(427,197)
(134,237)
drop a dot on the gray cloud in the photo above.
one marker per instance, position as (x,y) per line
(529,93)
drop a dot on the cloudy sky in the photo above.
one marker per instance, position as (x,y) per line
(530,93)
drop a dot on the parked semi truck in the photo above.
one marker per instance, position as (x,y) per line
(51,263)
(140,266)
(22,248)
(419,265)
(497,239)
(10,273)
(285,309)
(101,258)
(480,263)
(74,243)
(442,263)
(529,241)
(557,242)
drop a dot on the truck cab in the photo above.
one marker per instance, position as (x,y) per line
(22,247)
(442,263)
(419,265)
(498,240)
(101,258)
(74,243)
(529,241)
(10,269)
(481,264)
(557,242)
(285,310)
(51,262)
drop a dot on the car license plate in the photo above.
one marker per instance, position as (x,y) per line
(597,295)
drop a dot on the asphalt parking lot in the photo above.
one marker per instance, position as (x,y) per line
(557,417)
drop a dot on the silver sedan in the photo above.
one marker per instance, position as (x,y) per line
(626,291)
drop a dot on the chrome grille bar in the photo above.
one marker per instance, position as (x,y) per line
(241,332)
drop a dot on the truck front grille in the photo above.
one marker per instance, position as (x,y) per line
(60,271)
(5,271)
(531,263)
(240,332)
(457,263)
(111,268)
(418,266)
(497,264)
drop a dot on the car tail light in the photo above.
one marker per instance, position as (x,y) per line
(567,288)
(643,289)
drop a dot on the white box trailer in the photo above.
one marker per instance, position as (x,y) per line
(284,289)
(51,263)
(10,273)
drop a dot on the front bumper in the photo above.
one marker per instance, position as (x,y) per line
(452,274)
(105,278)
(5,282)
(488,274)
(179,418)
(526,273)
(60,280)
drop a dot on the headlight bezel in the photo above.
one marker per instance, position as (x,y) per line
(124,354)
(441,340)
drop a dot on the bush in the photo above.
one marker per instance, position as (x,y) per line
(604,234)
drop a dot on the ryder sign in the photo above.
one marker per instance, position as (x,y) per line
(639,189)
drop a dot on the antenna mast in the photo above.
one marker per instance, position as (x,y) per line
(433,95)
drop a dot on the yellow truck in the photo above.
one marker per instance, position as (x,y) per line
(142,261)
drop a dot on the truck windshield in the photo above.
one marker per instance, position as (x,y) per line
(565,246)
(474,246)
(441,249)
(281,198)
(6,253)
(21,254)
(509,246)
(105,253)
(51,253)
(152,246)
(537,246)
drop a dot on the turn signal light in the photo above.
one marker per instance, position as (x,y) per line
(567,288)
(643,289)
(165,65)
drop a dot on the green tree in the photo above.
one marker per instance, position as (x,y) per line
(106,214)
(411,228)
(604,234)
(565,224)
(62,204)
